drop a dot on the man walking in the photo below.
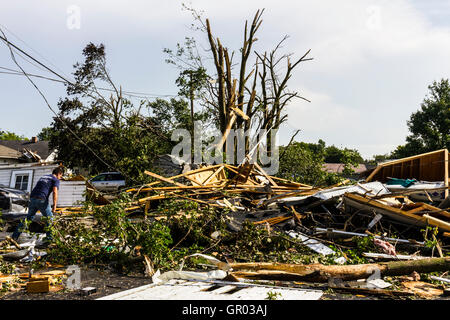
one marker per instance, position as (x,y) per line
(39,201)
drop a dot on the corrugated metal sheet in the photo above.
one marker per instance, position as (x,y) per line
(194,290)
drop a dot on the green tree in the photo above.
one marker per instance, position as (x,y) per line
(299,163)
(173,114)
(45,134)
(192,81)
(7,135)
(334,154)
(430,125)
(104,133)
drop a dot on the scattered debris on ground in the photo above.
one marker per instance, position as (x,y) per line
(233,227)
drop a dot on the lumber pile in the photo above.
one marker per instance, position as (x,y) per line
(215,185)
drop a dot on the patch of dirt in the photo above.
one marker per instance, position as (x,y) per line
(106,283)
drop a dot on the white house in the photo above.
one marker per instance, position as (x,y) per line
(24,176)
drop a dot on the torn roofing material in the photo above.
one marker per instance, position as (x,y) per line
(431,166)
(41,148)
(216,290)
(371,188)
(416,214)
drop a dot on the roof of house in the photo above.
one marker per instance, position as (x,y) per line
(40,147)
(339,167)
(8,153)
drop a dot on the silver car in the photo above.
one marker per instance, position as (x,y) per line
(108,181)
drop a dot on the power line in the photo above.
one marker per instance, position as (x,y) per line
(26,44)
(141,95)
(26,54)
(63,80)
(130,93)
(48,104)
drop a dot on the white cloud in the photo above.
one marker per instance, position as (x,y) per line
(373,59)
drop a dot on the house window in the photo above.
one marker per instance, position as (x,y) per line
(21,179)
(22,182)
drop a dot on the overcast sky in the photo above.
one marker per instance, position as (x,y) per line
(373,60)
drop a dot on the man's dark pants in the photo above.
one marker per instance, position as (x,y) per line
(36,204)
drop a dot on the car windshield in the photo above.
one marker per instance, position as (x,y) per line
(100,177)
(115,177)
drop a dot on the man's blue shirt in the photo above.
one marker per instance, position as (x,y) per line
(44,187)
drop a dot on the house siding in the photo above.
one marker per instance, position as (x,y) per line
(5,176)
(71,193)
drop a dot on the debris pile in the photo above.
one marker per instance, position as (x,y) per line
(386,235)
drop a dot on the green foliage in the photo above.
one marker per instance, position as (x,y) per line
(273,295)
(347,156)
(430,241)
(192,225)
(5,267)
(173,114)
(111,239)
(7,135)
(114,235)
(430,125)
(104,134)
(303,163)
(255,243)
(379,158)
(191,82)
(45,134)
(361,244)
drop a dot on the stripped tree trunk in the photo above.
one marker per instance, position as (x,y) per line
(321,273)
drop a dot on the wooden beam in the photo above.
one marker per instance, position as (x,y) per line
(446,172)
(266,175)
(214,174)
(240,113)
(227,131)
(157,176)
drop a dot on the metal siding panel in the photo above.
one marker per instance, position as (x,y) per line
(5,176)
(71,193)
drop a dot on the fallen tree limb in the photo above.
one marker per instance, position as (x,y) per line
(321,273)
(383,292)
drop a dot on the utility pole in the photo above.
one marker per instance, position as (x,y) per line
(191,97)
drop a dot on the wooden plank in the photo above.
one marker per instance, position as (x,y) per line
(240,113)
(214,174)
(436,222)
(157,176)
(39,286)
(426,166)
(266,175)
(446,172)
(227,132)
(292,182)
(274,220)
(178,176)
(229,205)
(236,170)
(396,213)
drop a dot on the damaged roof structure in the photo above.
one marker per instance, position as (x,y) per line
(345,231)
(28,150)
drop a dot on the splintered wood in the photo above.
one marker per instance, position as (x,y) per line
(214,183)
